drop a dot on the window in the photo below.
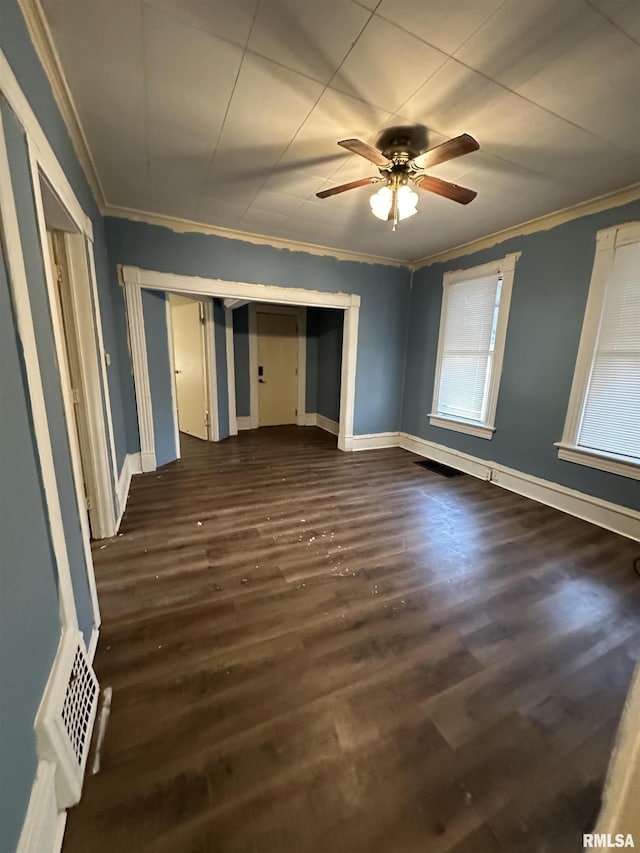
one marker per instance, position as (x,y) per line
(602,429)
(473,326)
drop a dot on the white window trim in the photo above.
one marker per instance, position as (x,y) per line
(506,268)
(607,241)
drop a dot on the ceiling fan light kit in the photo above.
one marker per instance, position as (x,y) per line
(398,165)
(394,203)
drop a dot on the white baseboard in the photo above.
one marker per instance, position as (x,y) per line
(614,517)
(244,422)
(447,455)
(93,644)
(317,420)
(132,465)
(148,461)
(43,827)
(375,441)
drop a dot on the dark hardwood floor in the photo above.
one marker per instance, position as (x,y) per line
(317,652)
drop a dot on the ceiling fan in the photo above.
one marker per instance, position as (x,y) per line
(398,165)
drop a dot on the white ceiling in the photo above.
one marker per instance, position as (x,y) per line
(228,111)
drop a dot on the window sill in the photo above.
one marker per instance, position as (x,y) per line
(479,430)
(594,459)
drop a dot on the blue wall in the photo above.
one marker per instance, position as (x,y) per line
(311,398)
(154,308)
(241,360)
(29,606)
(155,327)
(16,45)
(383,312)
(547,309)
(23,193)
(324,361)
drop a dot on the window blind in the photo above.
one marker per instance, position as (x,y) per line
(467,351)
(611,415)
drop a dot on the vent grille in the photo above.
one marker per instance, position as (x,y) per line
(65,720)
(78,709)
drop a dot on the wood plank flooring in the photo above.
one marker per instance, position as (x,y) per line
(314,651)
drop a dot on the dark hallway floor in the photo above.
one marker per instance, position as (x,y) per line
(314,651)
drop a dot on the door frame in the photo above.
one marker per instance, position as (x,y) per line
(44,162)
(87,329)
(172,371)
(301,313)
(135,279)
(210,371)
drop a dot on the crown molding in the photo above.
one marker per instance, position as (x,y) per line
(617,198)
(183,226)
(47,53)
(45,48)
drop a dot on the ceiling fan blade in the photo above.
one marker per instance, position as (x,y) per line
(434,185)
(342,188)
(456,147)
(366,151)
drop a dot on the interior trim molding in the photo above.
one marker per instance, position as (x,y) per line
(132,465)
(46,157)
(317,420)
(142,385)
(376,441)
(46,50)
(617,198)
(135,279)
(244,422)
(211,370)
(183,226)
(96,425)
(47,53)
(19,288)
(93,645)
(614,517)
(231,370)
(43,828)
(172,378)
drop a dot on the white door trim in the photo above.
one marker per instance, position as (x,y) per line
(135,279)
(10,232)
(138,339)
(102,524)
(211,371)
(253,360)
(42,153)
(98,433)
(301,313)
(231,370)
(172,371)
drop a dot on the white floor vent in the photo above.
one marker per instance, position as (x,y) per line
(66,716)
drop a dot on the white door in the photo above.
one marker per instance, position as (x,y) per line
(277,368)
(72,366)
(188,351)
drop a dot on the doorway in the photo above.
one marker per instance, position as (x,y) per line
(189,365)
(72,365)
(277,364)
(137,279)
